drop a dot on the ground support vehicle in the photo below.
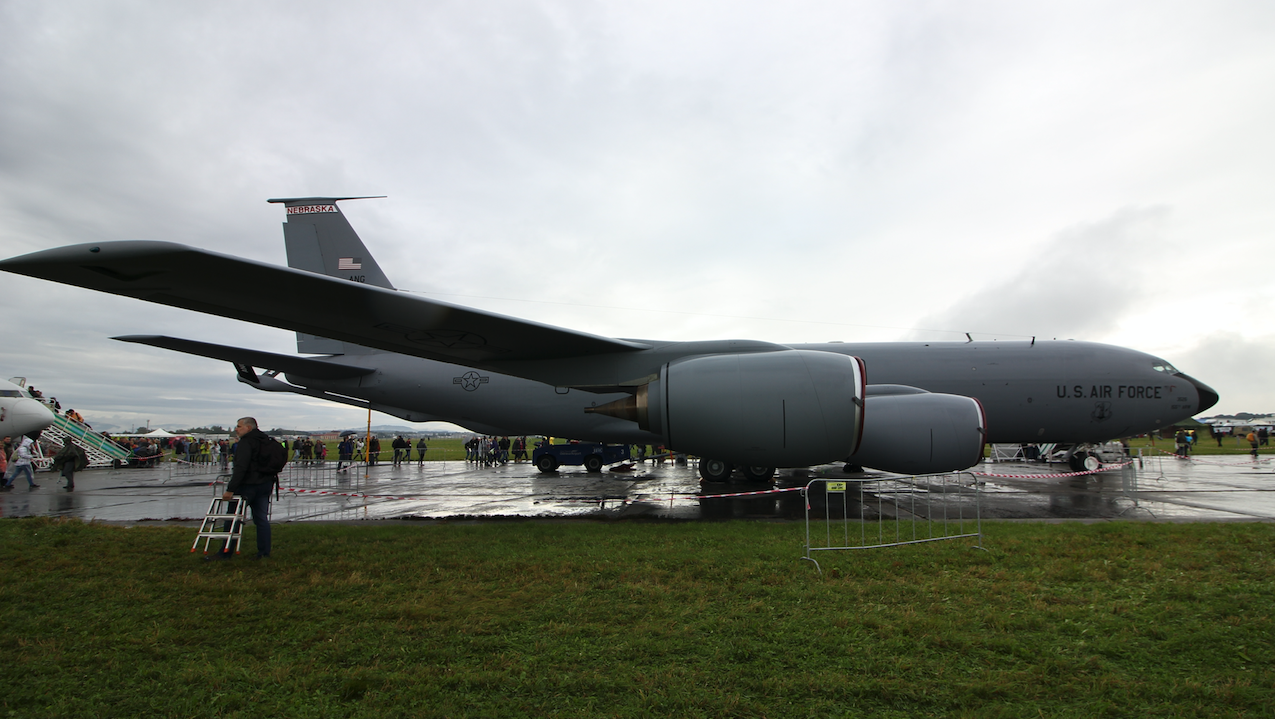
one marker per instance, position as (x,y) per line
(592,456)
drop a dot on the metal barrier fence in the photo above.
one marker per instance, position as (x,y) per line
(302,474)
(300,477)
(322,475)
(182,468)
(890,512)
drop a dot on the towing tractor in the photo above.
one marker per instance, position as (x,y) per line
(592,456)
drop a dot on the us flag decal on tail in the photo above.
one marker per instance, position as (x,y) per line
(349,263)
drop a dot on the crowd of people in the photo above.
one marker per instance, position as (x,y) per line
(307,450)
(152,451)
(1183,441)
(17,459)
(403,450)
(490,451)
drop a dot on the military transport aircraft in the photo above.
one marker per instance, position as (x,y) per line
(907,407)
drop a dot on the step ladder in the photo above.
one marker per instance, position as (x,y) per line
(231,514)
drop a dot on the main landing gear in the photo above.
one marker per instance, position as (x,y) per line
(716,470)
(757,474)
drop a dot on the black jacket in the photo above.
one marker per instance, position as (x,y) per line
(246,453)
(70,454)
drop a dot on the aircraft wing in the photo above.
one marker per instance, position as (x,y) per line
(290,364)
(194,279)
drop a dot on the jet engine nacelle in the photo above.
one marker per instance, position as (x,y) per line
(791,408)
(921,433)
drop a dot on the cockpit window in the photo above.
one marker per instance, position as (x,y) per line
(10,393)
(1162,366)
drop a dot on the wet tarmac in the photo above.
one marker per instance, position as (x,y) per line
(1207,489)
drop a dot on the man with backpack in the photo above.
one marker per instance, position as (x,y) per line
(258,460)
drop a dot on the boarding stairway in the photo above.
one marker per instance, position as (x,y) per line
(102,452)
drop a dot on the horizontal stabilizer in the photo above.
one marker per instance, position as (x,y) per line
(179,276)
(301,366)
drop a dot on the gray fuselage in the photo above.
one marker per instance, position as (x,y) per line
(1050,391)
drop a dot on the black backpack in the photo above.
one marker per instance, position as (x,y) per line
(271,456)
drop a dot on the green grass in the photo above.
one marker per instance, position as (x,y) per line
(637,620)
(451,449)
(1206,445)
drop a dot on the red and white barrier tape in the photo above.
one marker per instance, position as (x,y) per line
(748,494)
(1103,468)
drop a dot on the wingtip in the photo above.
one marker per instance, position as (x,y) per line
(21,264)
(93,250)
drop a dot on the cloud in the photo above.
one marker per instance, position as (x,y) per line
(1237,367)
(1075,286)
(724,170)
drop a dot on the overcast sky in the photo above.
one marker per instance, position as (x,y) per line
(792,172)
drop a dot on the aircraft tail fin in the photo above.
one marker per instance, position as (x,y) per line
(320,239)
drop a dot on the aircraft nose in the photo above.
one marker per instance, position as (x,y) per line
(27,415)
(1208,397)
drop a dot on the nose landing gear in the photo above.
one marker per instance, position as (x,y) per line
(1083,461)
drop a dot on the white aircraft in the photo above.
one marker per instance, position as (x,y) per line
(19,413)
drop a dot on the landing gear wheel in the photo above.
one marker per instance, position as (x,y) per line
(546,463)
(593,463)
(757,474)
(1083,462)
(714,470)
